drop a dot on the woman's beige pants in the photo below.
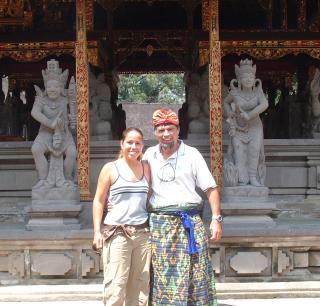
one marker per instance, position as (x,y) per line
(126,263)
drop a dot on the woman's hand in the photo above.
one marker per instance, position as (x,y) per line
(97,243)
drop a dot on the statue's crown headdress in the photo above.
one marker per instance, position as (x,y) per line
(246,66)
(54,72)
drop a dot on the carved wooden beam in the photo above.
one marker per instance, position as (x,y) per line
(124,43)
(36,51)
(216,154)
(271,49)
(82,75)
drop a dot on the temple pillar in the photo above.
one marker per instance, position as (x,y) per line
(82,75)
(216,154)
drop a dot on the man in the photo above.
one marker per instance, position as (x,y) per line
(182,272)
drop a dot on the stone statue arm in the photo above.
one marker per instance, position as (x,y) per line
(262,103)
(72,98)
(226,104)
(315,91)
(37,111)
(38,115)
(260,108)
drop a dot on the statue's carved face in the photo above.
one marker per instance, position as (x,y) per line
(247,80)
(53,89)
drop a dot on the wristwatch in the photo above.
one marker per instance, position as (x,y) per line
(218,218)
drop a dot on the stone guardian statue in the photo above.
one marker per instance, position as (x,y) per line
(244,163)
(56,197)
(55,109)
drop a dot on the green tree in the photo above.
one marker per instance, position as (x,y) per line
(152,88)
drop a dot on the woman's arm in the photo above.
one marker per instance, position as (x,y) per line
(103,186)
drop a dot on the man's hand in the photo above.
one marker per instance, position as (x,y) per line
(215,231)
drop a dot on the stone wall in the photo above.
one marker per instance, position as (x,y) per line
(140,115)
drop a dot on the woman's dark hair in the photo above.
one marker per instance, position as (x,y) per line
(128,130)
(124,135)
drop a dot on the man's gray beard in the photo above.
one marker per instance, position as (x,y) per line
(167,145)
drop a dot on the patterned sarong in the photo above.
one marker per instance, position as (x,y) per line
(178,278)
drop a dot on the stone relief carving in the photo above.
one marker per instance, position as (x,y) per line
(244,163)
(315,104)
(224,94)
(100,107)
(55,110)
(198,104)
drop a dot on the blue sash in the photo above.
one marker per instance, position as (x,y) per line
(189,227)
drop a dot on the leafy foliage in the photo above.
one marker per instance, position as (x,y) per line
(152,88)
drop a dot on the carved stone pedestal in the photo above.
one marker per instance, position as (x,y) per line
(247,206)
(54,209)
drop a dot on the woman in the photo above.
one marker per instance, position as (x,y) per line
(125,238)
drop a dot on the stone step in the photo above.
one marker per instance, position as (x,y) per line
(92,292)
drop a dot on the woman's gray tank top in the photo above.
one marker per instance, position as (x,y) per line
(129,201)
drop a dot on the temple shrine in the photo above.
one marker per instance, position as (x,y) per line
(270,198)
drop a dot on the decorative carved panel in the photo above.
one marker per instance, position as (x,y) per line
(249,262)
(87,264)
(284,261)
(16,265)
(300,259)
(216,261)
(51,264)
